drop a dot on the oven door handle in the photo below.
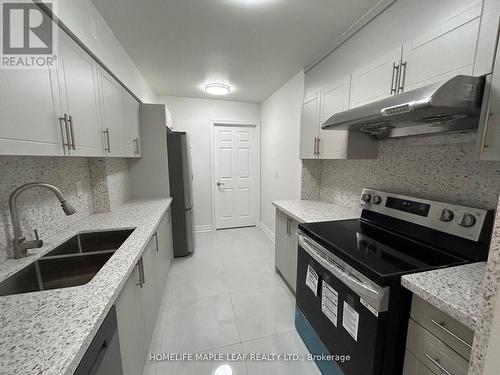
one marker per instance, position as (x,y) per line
(378,299)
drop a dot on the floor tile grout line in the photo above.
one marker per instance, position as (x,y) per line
(268,336)
(235,319)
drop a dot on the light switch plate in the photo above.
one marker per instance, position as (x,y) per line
(79,188)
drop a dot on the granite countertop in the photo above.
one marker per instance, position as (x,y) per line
(49,332)
(455,290)
(311,211)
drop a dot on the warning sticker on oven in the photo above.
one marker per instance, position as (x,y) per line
(350,320)
(329,302)
(312,280)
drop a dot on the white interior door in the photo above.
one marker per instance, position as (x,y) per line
(235,176)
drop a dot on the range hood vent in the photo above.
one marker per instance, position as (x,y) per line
(452,106)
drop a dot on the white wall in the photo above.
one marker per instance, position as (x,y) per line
(193,115)
(280,133)
(82,18)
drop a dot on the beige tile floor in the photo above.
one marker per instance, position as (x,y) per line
(227,298)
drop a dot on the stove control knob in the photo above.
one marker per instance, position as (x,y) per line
(468,220)
(366,198)
(377,199)
(447,215)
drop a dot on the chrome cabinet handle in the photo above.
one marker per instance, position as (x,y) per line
(139,265)
(317,146)
(402,77)
(394,83)
(485,132)
(73,140)
(108,144)
(443,327)
(288,226)
(136,145)
(438,364)
(156,242)
(65,131)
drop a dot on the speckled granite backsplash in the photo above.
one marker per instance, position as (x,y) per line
(439,168)
(40,209)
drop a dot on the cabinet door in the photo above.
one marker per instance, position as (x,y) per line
(376,81)
(425,63)
(129,317)
(149,293)
(164,233)
(488,147)
(334,98)
(79,96)
(131,124)
(293,241)
(116,138)
(282,245)
(309,127)
(29,113)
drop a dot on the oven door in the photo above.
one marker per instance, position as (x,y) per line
(346,310)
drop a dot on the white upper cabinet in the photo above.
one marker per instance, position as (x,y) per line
(77,109)
(309,130)
(333,144)
(316,143)
(28,114)
(115,135)
(80,100)
(120,118)
(488,143)
(443,52)
(377,80)
(131,122)
(341,144)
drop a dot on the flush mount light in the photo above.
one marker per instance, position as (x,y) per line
(223,370)
(217,89)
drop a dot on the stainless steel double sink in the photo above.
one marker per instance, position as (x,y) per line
(73,263)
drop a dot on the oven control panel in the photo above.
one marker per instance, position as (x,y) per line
(461,221)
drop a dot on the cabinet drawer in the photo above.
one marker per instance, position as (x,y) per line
(433,353)
(443,326)
(414,367)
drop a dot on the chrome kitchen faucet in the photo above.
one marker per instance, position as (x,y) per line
(19,242)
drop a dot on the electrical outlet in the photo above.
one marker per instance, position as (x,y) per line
(79,188)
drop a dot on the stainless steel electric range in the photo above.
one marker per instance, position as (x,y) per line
(350,304)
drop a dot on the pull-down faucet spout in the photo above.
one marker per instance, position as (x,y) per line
(19,242)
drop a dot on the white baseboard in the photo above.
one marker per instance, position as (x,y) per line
(203,228)
(268,232)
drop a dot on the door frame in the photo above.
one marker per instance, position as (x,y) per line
(213,124)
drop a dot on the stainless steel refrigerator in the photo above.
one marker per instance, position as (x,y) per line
(181,190)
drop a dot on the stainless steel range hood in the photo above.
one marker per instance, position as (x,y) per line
(451,106)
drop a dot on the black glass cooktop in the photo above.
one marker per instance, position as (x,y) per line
(377,252)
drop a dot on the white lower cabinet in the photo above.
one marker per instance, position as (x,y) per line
(140,299)
(286,248)
(436,343)
(129,319)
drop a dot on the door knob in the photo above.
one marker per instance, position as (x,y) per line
(219,183)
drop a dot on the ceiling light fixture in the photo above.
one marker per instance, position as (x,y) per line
(223,370)
(217,89)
